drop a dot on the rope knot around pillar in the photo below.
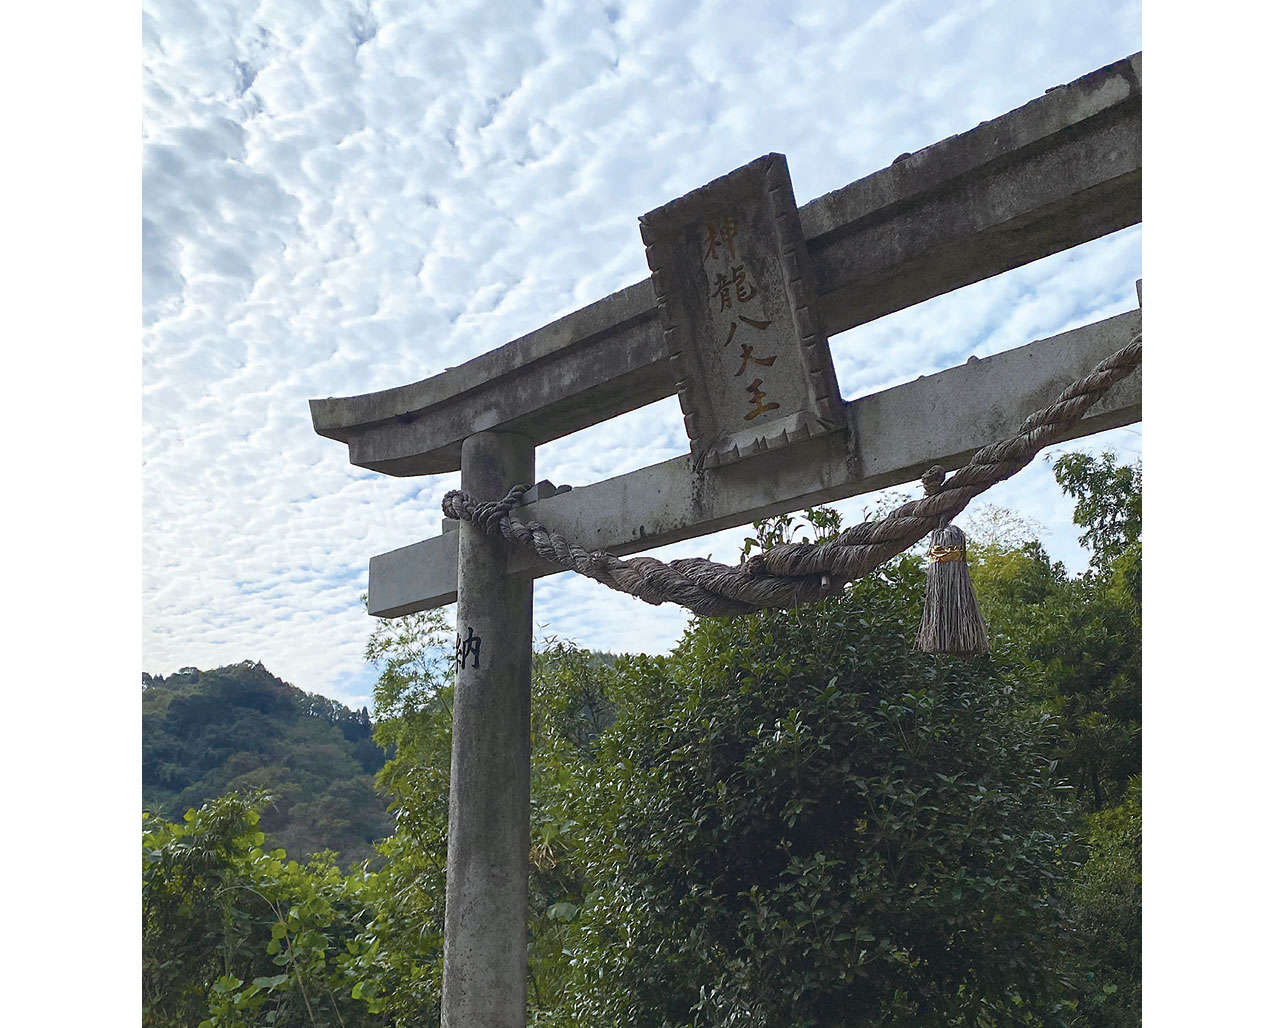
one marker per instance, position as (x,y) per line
(457,505)
(488,515)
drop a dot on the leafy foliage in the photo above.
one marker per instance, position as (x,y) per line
(234,935)
(805,822)
(1107,503)
(824,523)
(1107,909)
(412,700)
(413,716)
(1075,643)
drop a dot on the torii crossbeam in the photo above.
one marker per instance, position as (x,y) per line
(733,257)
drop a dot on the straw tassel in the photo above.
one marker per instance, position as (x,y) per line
(951,618)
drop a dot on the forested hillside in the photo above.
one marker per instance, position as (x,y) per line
(240,728)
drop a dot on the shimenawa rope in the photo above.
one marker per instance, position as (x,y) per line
(794,573)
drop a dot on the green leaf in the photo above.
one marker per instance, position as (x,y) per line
(562,911)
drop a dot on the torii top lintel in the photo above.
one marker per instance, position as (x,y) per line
(1059,171)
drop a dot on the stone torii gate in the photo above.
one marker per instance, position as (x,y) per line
(745,290)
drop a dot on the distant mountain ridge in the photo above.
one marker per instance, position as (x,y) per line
(206,733)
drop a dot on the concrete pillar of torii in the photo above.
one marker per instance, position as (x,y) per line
(484,978)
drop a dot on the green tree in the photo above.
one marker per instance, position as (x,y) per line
(797,819)
(1075,642)
(401,945)
(1106,910)
(1107,503)
(413,706)
(571,709)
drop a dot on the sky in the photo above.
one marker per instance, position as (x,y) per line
(343,197)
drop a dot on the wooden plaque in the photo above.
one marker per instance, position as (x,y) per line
(737,299)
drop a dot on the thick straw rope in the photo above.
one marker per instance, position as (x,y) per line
(794,573)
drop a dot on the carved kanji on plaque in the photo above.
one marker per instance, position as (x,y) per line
(737,299)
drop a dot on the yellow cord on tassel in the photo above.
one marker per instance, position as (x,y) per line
(935,554)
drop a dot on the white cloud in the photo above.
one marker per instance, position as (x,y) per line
(340,197)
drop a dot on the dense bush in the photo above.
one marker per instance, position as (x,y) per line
(234,935)
(1107,912)
(798,820)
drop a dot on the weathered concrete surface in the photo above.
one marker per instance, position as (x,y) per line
(484,979)
(1059,171)
(731,257)
(937,419)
